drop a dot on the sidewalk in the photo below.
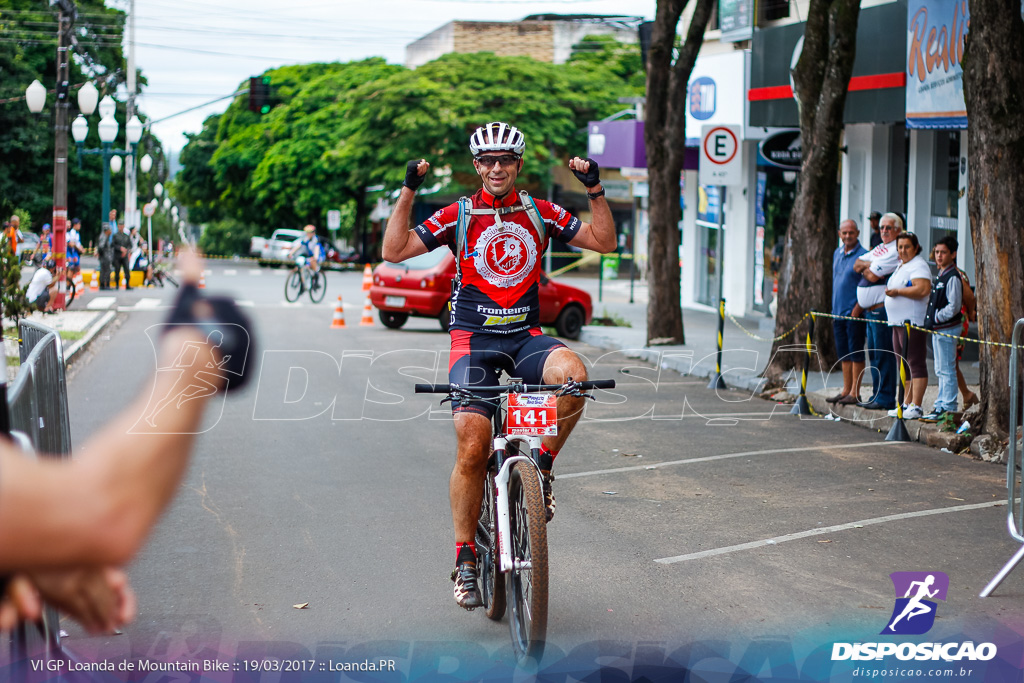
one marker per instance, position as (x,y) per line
(745,353)
(77,328)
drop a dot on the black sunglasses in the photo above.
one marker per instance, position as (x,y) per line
(503,159)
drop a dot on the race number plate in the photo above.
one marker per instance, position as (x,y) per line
(395,301)
(532,415)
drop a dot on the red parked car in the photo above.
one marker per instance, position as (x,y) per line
(421,287)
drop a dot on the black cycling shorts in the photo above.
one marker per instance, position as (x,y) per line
(478,359)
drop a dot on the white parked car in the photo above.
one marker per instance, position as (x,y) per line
(280,243)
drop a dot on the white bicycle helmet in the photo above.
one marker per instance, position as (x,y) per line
(497,137)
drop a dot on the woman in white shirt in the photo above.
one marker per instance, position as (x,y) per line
(906,298)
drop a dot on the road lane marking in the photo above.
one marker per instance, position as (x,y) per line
(230,271)
(726,456)
(255,272)
(101,303)
(826,530)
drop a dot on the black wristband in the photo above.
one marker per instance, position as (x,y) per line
(224,324)
(595,195)
(413,179)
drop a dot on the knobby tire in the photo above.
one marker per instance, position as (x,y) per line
(527,589)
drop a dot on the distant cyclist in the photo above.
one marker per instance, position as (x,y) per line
(495,317)
(309,246)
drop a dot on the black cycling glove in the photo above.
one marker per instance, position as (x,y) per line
(224,324)
(591,178)
(412,177)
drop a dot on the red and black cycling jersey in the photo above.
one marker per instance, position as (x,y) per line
(500,261)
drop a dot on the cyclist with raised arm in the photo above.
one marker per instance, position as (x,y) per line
(497,236)
(309,246)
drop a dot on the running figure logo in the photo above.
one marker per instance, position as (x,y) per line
(201,384)
(914,612)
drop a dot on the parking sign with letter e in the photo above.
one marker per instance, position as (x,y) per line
(721,162)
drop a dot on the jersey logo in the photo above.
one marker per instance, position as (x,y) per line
(505,255)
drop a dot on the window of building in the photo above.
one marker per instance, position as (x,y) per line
(945,185)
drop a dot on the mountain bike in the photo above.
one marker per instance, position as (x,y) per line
(302,278)
(511,533)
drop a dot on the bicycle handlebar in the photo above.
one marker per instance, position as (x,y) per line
(447,388)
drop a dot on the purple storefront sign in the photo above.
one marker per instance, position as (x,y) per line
(617,144)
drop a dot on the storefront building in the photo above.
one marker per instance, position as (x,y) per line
(937,123)
(904,149)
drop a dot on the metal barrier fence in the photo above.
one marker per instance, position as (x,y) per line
(37,403)
(1014,480)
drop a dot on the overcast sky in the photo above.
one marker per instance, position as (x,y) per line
(194,51)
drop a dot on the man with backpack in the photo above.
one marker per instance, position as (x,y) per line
(498,236)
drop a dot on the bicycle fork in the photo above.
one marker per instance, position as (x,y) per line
(505,560)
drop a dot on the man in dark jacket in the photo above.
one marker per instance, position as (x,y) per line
(105,251)
(122,247)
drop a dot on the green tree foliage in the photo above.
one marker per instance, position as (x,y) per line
(28,51)
(13,301)
(337,130)
(225,238)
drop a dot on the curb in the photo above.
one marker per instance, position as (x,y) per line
(922,432)
(734,378)
(91,333)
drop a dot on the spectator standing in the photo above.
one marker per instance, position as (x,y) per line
(13,232)
(45,246)
(849,333)
(74,244)
(945,315)
(969,313)
(906,298)
(873,266)
(122,244)
(876,233)
(105,251)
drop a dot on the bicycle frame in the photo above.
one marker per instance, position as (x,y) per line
(505,563)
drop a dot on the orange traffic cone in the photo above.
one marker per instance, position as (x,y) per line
(339,315)
(367,319)
(202,280)
(79,282)
(367,278)
(94,281)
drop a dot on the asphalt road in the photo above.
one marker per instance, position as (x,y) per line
(684,515)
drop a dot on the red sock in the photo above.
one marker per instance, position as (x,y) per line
(465,552)
(547,458)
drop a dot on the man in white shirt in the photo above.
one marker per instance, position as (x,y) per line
(875,268)
(38,292)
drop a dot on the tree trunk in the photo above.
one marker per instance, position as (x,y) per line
(994,95)
(821,77)
(664,140)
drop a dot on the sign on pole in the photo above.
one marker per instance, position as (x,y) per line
(720,157)
(333,220)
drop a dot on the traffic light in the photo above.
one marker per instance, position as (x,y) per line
(259,94)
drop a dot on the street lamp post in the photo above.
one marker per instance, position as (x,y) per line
(107,128)
(35,97)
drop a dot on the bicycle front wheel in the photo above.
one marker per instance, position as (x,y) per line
(527,583)
(317,286)
(293,286)
(69,294)
(492,588)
